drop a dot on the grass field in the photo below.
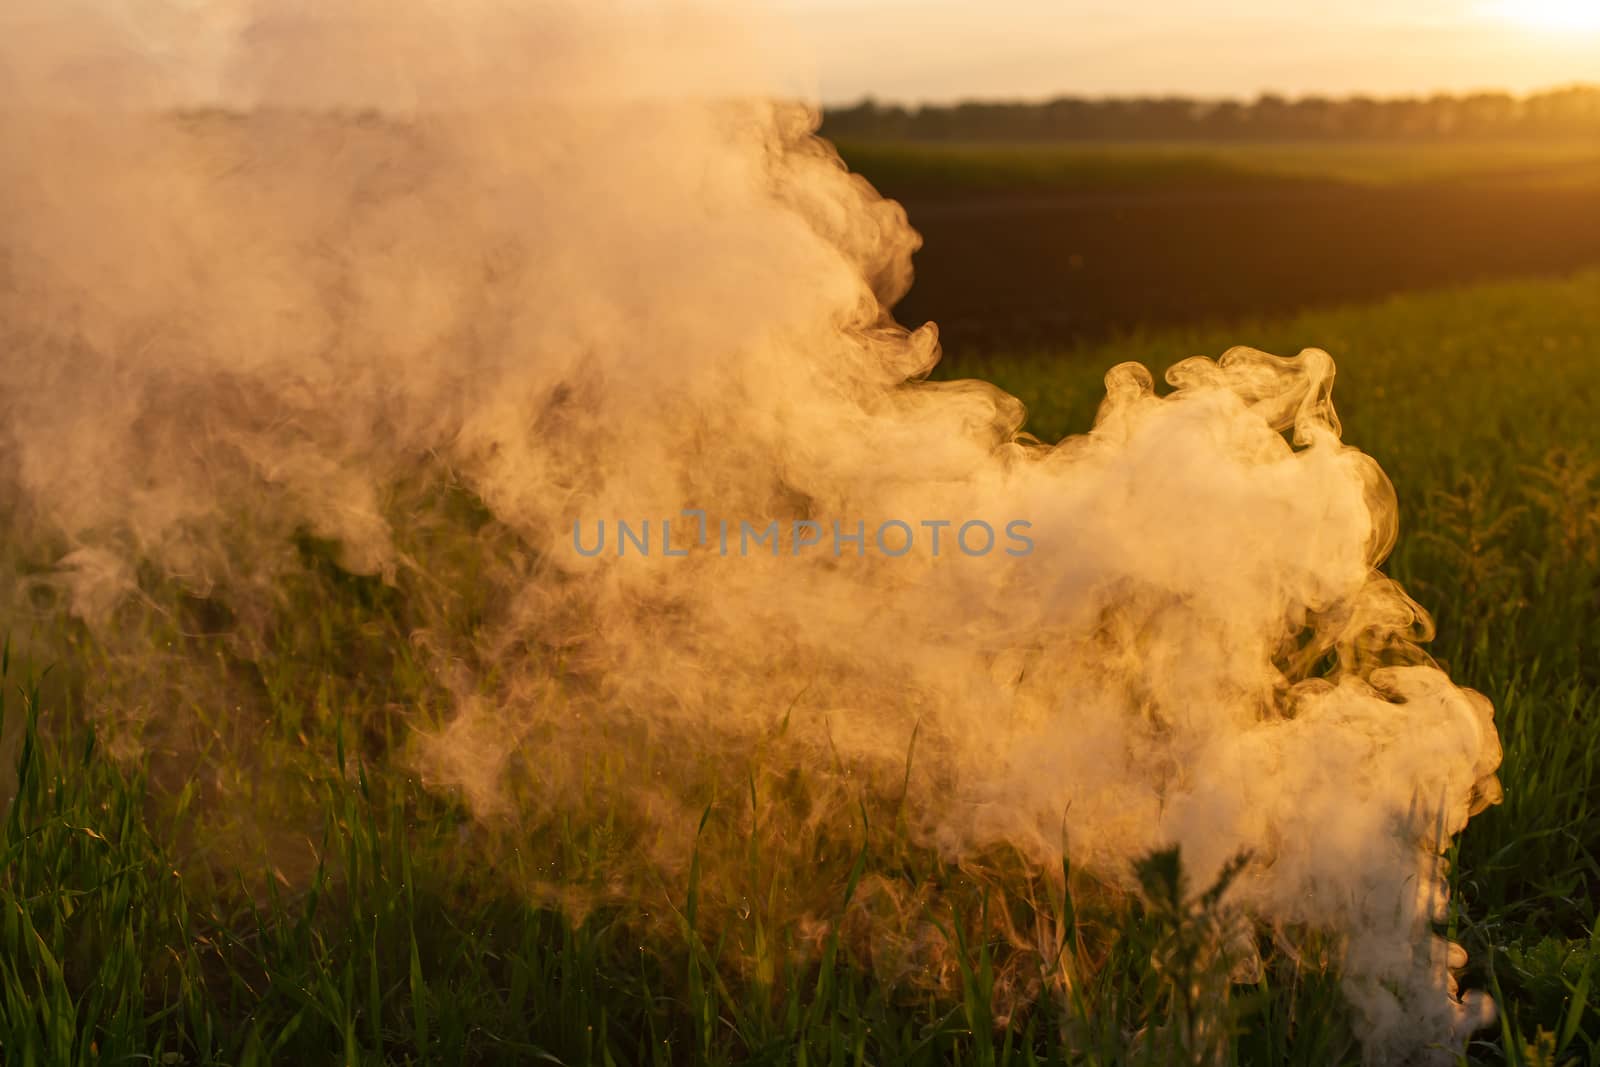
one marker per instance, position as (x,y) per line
(128,933)
(962,168)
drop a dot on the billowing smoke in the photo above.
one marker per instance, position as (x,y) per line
(558,320)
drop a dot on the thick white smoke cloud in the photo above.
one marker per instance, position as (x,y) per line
(582,262)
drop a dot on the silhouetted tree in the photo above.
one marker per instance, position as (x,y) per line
(1572,111)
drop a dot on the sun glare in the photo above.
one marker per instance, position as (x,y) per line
(1557,15)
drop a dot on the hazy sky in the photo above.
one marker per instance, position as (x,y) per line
(940,50)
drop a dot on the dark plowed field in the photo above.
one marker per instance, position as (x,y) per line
(1000,270)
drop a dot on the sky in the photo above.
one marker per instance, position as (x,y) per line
(911,51)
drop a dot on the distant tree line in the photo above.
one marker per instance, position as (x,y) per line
(1572,111)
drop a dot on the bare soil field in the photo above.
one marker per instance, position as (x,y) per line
(1005,270)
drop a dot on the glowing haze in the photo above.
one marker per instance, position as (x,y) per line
(946,50)
(584,268)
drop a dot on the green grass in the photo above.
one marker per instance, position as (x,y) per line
(149,911)
(964,168)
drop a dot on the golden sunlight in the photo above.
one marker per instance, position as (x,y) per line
(1562,15)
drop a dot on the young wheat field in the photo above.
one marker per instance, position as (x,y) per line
(318,902)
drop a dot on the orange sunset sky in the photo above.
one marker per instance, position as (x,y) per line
(942,50)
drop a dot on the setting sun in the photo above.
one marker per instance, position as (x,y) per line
(1565,15)
(698,532)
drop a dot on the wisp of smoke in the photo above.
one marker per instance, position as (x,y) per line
(264,271)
